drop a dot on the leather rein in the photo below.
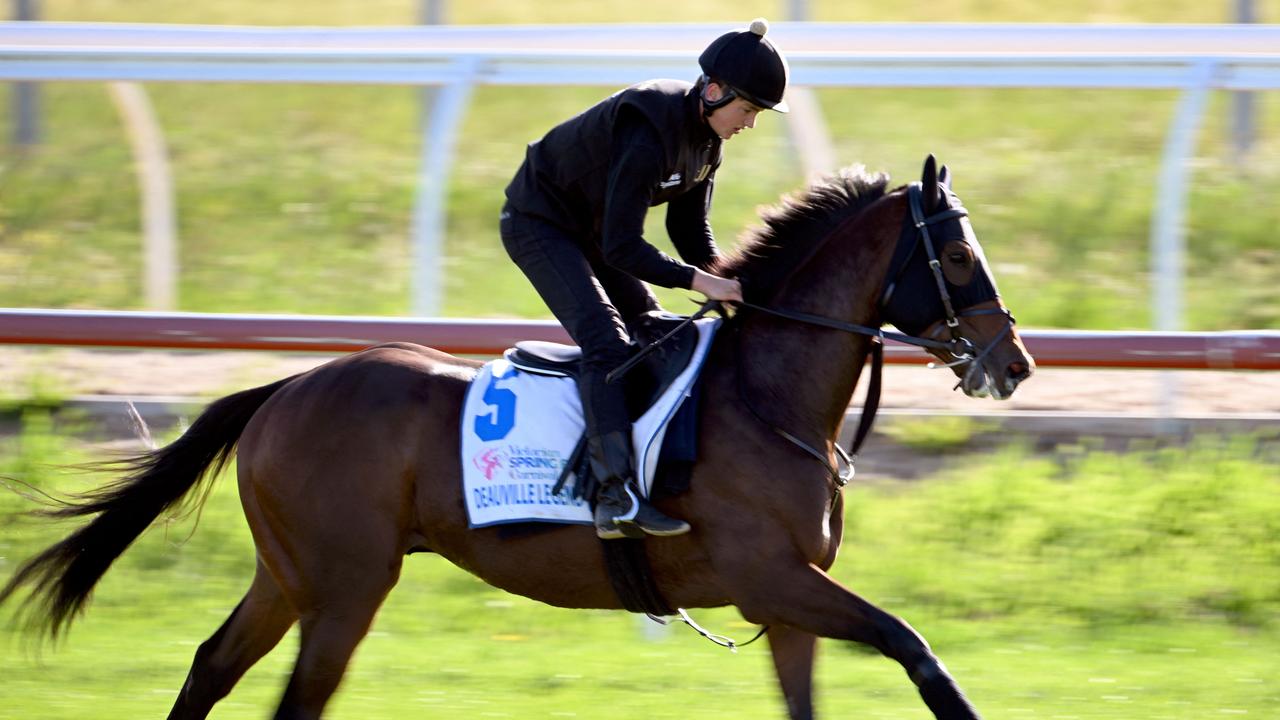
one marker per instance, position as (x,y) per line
(962,350)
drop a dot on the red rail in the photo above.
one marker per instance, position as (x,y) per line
(1244,350)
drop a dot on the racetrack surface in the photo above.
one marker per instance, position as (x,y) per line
(68,372)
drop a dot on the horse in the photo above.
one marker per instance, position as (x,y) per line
(346,469)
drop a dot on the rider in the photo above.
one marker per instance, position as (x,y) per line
(574,219)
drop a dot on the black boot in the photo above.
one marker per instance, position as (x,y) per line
(620,512)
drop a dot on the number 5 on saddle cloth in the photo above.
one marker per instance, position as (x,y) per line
(522,425)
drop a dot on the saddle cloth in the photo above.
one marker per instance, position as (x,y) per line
(519,429)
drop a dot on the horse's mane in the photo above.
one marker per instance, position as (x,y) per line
(795,228)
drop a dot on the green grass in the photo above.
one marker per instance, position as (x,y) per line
(298,198)
(1093,538)
(1084,584)
(935,435)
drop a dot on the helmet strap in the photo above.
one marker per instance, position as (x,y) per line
(708,105)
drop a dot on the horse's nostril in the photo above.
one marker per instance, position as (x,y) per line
(1019,371)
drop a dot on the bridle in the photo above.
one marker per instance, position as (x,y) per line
(962,350)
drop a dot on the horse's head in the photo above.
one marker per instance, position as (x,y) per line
(940,288)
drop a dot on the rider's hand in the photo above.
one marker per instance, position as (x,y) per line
(716,287)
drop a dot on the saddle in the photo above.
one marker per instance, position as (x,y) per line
(643,385)
(646,382)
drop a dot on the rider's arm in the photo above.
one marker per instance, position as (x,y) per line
(689,227)
(690,230)
(635,171)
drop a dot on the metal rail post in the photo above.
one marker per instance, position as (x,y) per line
(26,95)
(1243,105)
(426,294)
(439,135)
(805,123)
(155,186)
(1168,226)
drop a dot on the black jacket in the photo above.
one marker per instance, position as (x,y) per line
(597,174)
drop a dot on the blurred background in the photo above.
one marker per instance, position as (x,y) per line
(1085,569)
(299,198)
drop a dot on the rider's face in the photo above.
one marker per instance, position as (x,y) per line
(733,118)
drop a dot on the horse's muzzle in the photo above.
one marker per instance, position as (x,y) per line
(997,376)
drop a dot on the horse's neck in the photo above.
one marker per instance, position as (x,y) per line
(804,374)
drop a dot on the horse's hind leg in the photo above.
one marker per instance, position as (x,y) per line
(804,597)
(253,628)
(330,633)
(793,653)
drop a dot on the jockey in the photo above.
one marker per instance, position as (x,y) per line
(574,221)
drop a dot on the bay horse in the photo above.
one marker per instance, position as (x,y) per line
(346,469)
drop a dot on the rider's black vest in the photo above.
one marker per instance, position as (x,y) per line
(565,174)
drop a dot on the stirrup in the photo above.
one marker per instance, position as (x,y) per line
(613,527)
(640,519)
(614,530)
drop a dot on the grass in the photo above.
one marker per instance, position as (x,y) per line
(1083,584)
(935,435)
(298,198)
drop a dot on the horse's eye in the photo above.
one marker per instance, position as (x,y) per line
(958,258)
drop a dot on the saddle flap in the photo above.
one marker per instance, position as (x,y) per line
(663,366)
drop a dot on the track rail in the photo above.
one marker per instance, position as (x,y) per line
(1242,350)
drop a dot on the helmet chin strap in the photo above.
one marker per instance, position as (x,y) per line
(708,105)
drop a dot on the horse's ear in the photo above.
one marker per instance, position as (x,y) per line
(944,177)
(929,184)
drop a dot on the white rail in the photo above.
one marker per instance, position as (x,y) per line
(1244,56)
(1194,59)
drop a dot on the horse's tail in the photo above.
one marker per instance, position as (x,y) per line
(63,576)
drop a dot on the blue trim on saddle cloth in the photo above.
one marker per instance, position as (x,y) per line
(519,428)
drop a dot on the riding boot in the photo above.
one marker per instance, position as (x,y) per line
(620,512)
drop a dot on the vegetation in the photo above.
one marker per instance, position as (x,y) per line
(1085,584)
(935,435)
(299,198)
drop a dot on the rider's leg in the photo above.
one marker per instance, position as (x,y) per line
(563,276)
(635,302)
(619,511)
(630,296)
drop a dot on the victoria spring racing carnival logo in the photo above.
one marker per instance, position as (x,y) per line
(488,461)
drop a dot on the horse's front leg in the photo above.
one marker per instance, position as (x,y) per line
(793,653)
(807,600)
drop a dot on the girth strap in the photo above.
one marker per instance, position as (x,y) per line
(632,577)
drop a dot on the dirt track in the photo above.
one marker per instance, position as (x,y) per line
(140,374)
(71,372)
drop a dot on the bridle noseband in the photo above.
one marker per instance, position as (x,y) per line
(962,350)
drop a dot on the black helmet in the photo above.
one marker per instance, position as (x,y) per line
(749,65)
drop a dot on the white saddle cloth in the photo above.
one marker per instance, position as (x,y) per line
(519,428)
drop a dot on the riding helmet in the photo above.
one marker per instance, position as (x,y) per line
(749,65)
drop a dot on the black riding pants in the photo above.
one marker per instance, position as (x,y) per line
(593,302)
